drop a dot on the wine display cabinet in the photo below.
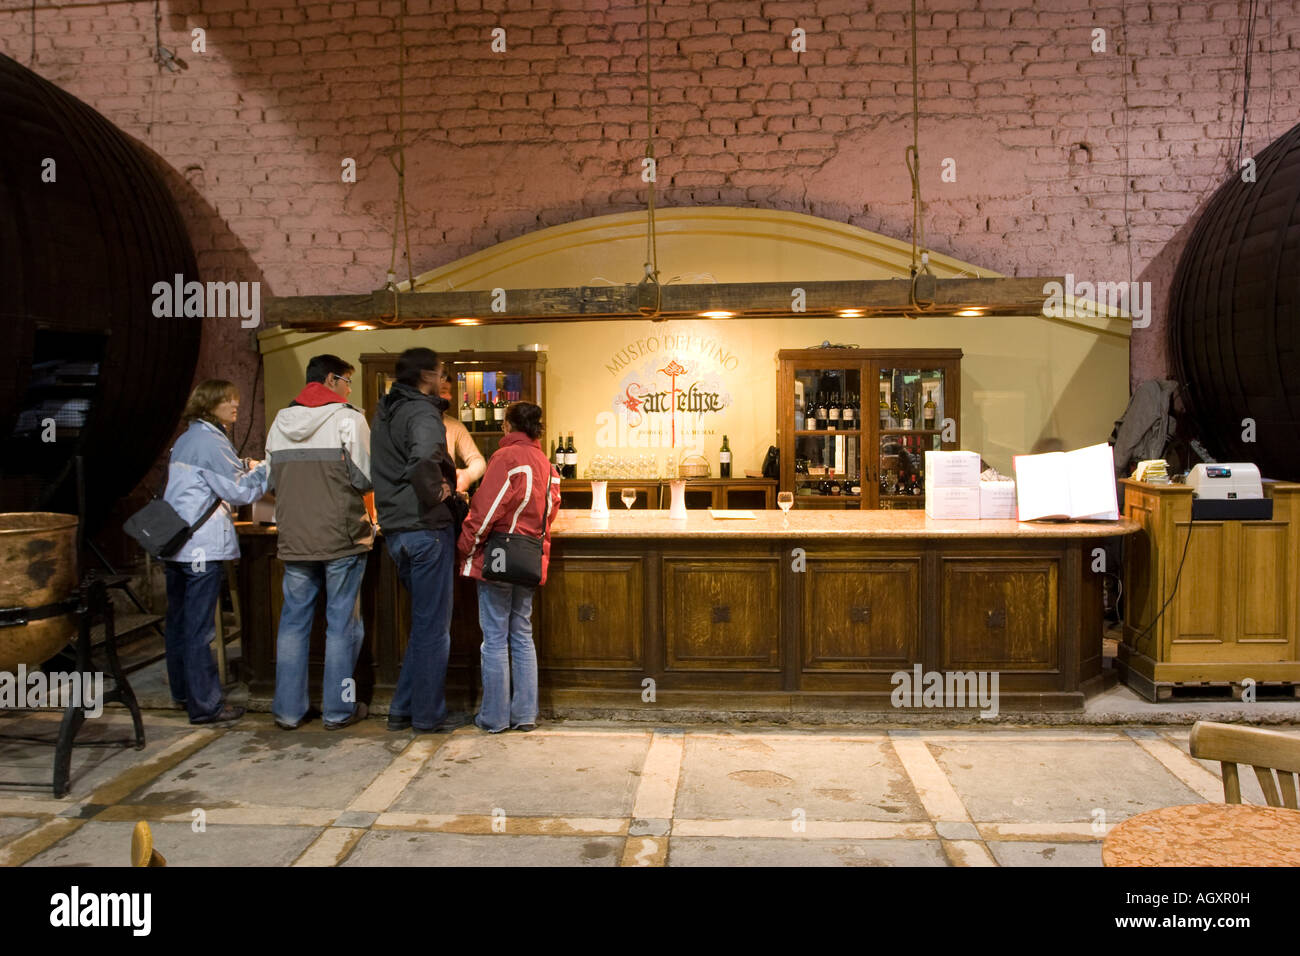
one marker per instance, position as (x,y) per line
(853,425)
(496,378)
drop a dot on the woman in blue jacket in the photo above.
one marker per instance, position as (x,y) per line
(205,468)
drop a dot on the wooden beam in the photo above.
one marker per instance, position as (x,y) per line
(871,297)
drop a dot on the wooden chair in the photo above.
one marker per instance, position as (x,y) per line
(142,851)
(1265,750)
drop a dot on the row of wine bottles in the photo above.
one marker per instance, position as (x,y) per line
(565,458)
(831,413)
(849,487)
(891,416)
(489,413)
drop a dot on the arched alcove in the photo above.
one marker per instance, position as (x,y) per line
(1023,377)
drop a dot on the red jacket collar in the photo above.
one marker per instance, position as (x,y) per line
(519,438)
(315,394)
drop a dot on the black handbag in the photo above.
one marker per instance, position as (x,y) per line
(160,530)
(517,558)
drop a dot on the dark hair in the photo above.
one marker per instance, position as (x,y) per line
(207,395)
(322,367)
(525,417)
(413,362)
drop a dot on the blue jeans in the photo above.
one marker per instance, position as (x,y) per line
(343,636)
(191,624)
(424,560)
(509,682)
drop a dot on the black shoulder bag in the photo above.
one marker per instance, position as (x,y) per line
(160,530)
(517,558)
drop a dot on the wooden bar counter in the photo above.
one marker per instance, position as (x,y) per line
(813,611)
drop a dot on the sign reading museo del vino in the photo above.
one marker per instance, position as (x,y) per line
(671,388)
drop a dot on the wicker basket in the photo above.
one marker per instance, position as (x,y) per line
(693,466)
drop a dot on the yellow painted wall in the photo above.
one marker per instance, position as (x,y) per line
(1023,378)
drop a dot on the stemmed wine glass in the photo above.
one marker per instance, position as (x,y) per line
(628,496)
(785,501)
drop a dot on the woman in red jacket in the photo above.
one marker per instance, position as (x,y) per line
(511,498)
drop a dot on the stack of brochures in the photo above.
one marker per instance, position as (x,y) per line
(1154,470)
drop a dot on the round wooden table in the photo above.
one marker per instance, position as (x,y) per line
(1206,834)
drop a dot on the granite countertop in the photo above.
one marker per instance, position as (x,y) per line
(579,523)
(574,523)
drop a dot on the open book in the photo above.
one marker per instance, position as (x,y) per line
(1074,485)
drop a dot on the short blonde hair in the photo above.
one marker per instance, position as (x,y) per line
(207,395)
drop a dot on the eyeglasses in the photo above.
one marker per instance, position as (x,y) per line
(345,381)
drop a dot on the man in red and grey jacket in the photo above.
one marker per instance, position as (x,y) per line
(513,497)
(319,449)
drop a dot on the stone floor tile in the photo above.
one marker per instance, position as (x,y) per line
(746,775)
(405,848)
(535,774)
(269,767)
(718,851)
(1046,854)
(109,844)
(1038,781)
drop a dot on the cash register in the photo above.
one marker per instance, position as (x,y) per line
(1228,491)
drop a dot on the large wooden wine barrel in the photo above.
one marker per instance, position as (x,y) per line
(87,227)
(1235,315)
(38,570)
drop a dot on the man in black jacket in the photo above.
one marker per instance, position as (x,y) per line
(413,478)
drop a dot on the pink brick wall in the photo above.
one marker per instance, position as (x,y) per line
(552,130)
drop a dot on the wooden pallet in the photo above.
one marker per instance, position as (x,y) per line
(1224,690)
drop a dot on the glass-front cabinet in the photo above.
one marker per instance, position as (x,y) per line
(854,424)
(482,385)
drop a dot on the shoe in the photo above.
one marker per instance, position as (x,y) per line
(486,730)
(526,728)
(285,725)
(396,722)
(449,723)
(227,715)
(361,712)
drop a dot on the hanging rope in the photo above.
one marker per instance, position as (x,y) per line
(651,278)
(912,156)
(399,166)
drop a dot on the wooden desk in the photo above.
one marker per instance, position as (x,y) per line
(1206,834)
(1235,615)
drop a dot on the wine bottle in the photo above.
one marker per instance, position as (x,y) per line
(884,411)
(467,414)
(823,420)
(833,413)
(895,416)
(848,415)
(810,414)
(724,459)
(572,452)
(480,414)
(554,461)
(930,409)
(499,411)
(907,413)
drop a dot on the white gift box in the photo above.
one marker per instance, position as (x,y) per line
(998,499)
(952,502)
(952,469)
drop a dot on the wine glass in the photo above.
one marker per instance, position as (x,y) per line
(628,496)
(785,501)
